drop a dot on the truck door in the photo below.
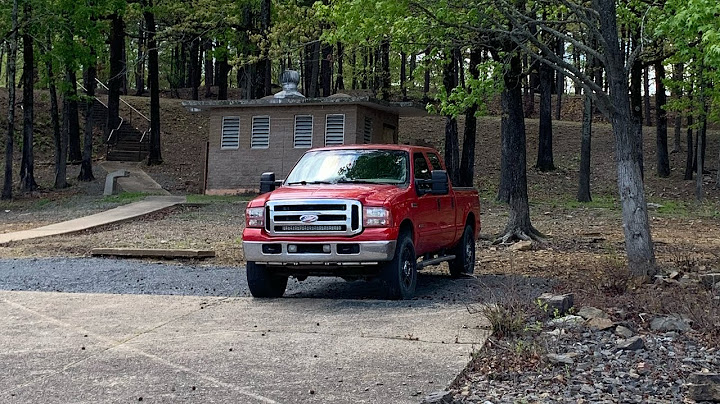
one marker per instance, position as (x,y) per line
(425,210)
(446,215)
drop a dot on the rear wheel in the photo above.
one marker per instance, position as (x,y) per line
(464,262)
(263,283)
(400,274)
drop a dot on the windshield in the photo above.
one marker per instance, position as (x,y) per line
(350,166)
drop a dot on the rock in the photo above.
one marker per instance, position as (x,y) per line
(556,304)
(708,280)
(669,323)
(631,344)
(558,358)
(521,246)
(599,323)
(566,321)
(591,312)
(704,387)
(624,332)
(438,397)
(675,275)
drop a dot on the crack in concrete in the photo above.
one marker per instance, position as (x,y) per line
(114,344)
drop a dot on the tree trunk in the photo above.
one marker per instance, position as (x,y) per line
(86,173)
(326,70)
(584,194)
(403,75)
(339,80)
(265,65)
(10,134)
(467,164)
(314,67)
(545,152)
(576,63)
(636,226)
(663,159)
(560,81)
(27,165)
(677,77)
(207,48)
(223,68)
(426,81)
(60,140)
(452,147)
(117,43)
(646,96)
(140,65)
(385,69)
(513,164)
(636,111)
(155,155)
(689,158)
(73,122)
(194,68)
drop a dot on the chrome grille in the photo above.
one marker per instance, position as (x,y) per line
(310,217)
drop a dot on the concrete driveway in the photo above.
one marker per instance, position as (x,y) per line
(94,330)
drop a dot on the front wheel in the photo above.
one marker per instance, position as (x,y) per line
(464,262)
(263,283)
(401,273)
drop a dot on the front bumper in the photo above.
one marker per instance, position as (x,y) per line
(369,252)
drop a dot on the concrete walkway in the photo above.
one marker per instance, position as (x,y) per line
(138,181)
(121,213)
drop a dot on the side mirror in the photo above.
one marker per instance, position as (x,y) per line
(267,182)
(439,184)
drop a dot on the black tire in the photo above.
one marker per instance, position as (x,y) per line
(400,274)
(464,262)
(263,283)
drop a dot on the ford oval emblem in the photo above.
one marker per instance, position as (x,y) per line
(309,218)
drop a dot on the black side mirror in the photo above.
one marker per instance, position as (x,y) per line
(267,182)
(439,184)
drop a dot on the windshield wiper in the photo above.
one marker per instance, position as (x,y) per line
(308,182)
(346,181)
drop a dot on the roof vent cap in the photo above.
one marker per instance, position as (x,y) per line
(290,80)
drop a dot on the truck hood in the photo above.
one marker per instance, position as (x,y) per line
(375,194)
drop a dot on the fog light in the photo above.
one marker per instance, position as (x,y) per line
(326,248)
(292,248)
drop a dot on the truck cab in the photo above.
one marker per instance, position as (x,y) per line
(360,211)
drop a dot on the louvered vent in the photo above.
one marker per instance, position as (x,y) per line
(260,132)
(335,129)
(230,132)
(303,131)
(367,130)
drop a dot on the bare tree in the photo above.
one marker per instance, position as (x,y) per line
(10,134)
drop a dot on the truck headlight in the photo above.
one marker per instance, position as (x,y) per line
(255,217)
(376,217)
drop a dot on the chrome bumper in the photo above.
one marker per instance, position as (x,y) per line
(371,252)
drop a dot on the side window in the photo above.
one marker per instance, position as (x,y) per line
(434,161)
(422,171)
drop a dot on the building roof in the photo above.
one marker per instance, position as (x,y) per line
(401,108)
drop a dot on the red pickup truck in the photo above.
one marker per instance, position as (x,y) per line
(360,211)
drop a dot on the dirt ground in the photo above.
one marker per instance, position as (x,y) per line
(584,239)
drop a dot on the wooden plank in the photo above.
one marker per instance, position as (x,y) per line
(153,252)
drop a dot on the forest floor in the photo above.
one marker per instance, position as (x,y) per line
(584,254)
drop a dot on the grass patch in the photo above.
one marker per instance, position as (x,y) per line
(197,198)
(598,202)
(125,197)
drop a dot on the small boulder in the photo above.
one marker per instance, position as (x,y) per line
(556,304)
(600,324)
(521,246)
(631,344)
(704,387)
(560,358)
(566,321)
(670,323)
(438,397)
(622,331)
(591,312)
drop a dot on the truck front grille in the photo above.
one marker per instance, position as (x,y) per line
(310,217)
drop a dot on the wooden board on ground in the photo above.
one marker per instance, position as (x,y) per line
(153,252)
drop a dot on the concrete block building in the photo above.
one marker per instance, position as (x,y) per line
(249,137)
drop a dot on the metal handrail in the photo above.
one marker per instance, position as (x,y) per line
(113,130)
(123,101)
